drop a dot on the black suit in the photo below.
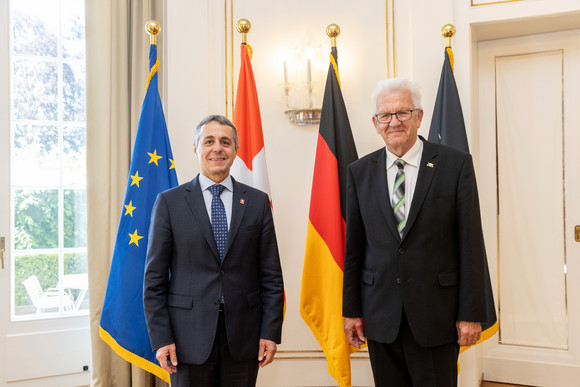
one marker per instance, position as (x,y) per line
(434,273)
(184,278)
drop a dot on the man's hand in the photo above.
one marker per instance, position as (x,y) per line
(162,356)
(354,331)
(468,332)
(266,352)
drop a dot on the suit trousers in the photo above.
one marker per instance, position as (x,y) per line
(404,363)
(220,370)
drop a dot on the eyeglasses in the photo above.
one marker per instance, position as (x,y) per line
(402,116)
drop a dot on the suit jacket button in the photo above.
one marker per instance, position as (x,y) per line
(399,281)
(401,251)
(222,272)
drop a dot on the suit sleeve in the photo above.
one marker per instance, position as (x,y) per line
(472,257)
(271,282)
(156,277)
(353,257)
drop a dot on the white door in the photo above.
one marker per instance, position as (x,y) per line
(44,323)
(528,141)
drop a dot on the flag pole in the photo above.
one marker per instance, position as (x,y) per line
(153,28)
(243,28)
(448,32)
(333,31)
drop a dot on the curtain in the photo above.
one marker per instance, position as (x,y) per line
(117,49)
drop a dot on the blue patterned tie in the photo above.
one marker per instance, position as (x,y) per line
(398,200)
(219,222)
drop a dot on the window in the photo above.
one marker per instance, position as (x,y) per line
(47,135)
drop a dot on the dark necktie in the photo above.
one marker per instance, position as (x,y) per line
(219,222)
(398,200)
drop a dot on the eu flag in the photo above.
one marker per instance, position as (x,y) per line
(152,170)
(448,128)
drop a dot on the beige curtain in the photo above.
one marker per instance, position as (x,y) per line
(117,68)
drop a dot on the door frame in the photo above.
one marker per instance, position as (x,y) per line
(518,364)
(43,352)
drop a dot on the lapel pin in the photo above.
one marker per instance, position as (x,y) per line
(242,201)
(430,165)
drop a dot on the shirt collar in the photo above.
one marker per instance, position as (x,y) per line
(412,157)
(205,182)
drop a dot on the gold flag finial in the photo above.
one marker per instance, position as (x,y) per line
(333,31)
(448,31)
(244,27)
(153,28)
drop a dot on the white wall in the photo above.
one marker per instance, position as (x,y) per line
(195,71)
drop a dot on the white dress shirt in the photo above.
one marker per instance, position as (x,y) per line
(412,160)
(227,195)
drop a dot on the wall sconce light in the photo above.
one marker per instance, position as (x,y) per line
(303,80)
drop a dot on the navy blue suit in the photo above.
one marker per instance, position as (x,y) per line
(184,277)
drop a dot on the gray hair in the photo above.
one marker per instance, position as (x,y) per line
(387,86)
(220,120)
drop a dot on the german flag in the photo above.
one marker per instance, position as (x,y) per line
(322,276)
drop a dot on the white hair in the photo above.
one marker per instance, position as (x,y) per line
(387,86)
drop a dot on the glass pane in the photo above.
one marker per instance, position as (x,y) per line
(73,29)
(36,280)
(74,156)
(74,83)
(35,27)
(35,155)
(75,279)
(35,92)
(75,218)
(35,219)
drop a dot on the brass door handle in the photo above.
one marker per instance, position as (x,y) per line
(577,233)
(2,251)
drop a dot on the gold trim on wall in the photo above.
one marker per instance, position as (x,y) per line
(229,63)
(315,354)
(226,53)
(494,2)
(389,37)
(232,52)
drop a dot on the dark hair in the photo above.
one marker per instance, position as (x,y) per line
(219,119)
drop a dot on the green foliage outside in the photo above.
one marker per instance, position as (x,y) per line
(45,267)
(46,153)
(36,219)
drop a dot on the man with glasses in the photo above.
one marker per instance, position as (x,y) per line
(414,269)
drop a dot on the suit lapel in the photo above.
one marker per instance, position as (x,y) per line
(238,209)
(380,184)
(194,198)
(427,168)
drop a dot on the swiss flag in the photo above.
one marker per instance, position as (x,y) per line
(250,164)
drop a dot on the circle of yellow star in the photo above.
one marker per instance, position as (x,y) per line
(135,238)
(129,207)
(154,157)
(136,179)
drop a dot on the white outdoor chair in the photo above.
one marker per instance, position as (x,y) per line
(46,300)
